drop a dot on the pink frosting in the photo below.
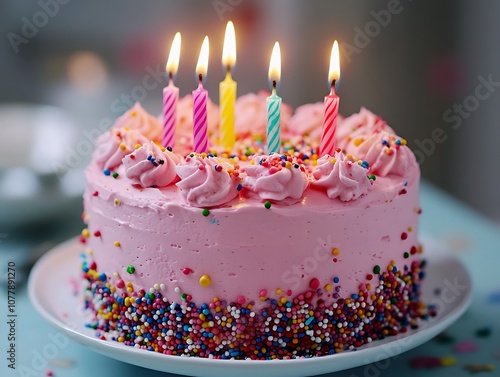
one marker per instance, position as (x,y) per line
(115,144)
(207,182)
(244,247)
(267,178)
(358,126)
(385,153)
(308,120)
(140,120)
(251,114)
(149,166)
(341,177)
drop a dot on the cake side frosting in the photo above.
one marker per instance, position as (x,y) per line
(245,247)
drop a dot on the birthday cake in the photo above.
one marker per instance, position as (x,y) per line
(247,255)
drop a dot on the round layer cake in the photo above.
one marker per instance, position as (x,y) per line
(242,254)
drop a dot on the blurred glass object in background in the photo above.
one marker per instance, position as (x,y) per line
(36,183)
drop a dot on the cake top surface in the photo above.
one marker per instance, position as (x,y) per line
(371,163)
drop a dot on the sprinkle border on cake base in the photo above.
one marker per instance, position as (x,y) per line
(287,327)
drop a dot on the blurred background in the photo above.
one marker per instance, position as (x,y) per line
(430,69)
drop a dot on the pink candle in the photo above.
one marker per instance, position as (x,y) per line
(329,123)
(171,94)
(170,99)
(200,97)
(200,129)
(327,145)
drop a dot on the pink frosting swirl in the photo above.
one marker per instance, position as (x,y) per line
(385,152)
(251,114)
(207,182)
(341,177)
(272,178)
(141,121)
(150,166)
(355,128)
(115,144)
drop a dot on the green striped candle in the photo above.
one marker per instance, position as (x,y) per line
(274,103)
(273,123)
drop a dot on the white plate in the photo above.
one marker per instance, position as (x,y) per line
(52,273)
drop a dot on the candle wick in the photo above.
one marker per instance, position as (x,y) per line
(200,78)
(333,85)
(228,69)
(274,87)
(170,76)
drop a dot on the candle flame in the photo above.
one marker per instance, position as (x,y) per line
(202,66)
(275,64)
(229,49)
(334,72)
(175,53)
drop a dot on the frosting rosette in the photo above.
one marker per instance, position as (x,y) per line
(141,121)
(115,144)
(357,127)
(385,152)
(207,181)
(151,166)
(251,114)
(275,178)
(342,177)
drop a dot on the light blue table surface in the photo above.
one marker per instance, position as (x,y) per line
(475,239)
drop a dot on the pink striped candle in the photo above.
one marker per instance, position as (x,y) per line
(171,95)
(329,123)
(170,99)
(200,97)
(327,145)
(200,129)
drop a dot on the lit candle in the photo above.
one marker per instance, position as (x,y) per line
(227,89)
(274,103)
(200,96)
(327,145)
(171,94)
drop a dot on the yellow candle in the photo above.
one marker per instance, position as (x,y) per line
(227,90)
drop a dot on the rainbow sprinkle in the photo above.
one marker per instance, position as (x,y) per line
(287,327)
